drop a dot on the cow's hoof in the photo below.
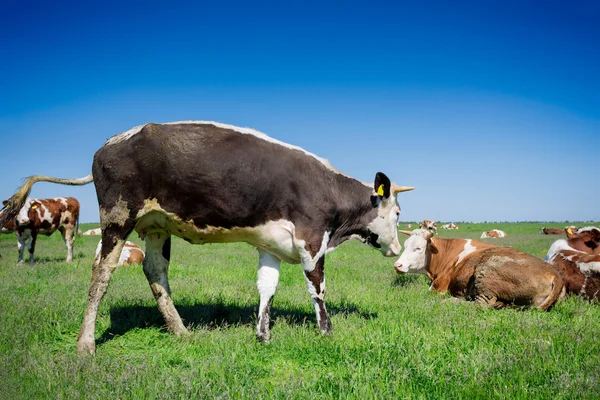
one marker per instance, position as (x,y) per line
(263,337)
(86,348)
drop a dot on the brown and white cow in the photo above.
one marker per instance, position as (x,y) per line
(208,182)
(551,231)
(489,275)
(429,225)
(46,216)
(578,260)
(9,226)
(449,226)
(131,253)
(92,232)
(494,233)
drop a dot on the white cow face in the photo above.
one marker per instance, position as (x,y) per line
(414,259)
(383,233)
(23,216)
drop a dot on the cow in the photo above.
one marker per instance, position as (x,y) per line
(209,182)
(92,232)
(577,259)
(494,233)
(551,231)
(409,226)
(131,253)
(449,226)
(489,275)
(46,216)
(429,225)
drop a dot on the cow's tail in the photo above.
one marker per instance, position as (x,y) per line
(558,291)
(17,201)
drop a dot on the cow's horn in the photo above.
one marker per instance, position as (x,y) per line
(405,232)
(397,189)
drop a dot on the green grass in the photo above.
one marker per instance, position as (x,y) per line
(392,337)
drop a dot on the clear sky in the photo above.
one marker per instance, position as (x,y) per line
(491,109)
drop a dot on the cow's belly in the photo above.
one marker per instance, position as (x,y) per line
(275,237)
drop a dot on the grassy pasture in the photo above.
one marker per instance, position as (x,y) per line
(392,338)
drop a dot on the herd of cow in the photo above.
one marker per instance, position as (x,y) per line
(208,182)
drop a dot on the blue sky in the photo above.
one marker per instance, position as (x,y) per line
(490,109)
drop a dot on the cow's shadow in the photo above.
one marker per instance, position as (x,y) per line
(214,315)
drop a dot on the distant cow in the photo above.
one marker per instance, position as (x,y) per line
(449,226)
(552,231)
(489,275)
(578,260)
(46,216)
(9,226)
(494,233)
(131,253)
(409,226)
(208,182)
(92,232)
(429,225)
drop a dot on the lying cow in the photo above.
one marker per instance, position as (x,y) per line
(551,231)
(489,275)
(450,227)
(429,225)
(578,260)
(208,182)
(92,232)
(131,253)
(494,233)
(45,216)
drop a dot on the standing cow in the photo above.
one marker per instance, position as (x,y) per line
(490,275)
(208,182)
(578,260)
(43,216)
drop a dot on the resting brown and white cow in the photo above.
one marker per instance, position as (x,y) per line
(46,216)
(92,232)
(489,275)
(494,233)
(429,225)
(208,182)
(551,231)
(449,226)
(131,253)
(578,260)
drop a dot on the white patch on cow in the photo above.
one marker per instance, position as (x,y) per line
(44,214)
(589,267)
(23,216)
(92,232)
(125,253)
(468,249)
(556,248)
(385,226)
(124,136)
(308,261)
(63,200)
(587,229)
(414,257)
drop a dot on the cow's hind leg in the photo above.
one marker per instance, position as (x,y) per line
(156,268)
(268,278)
(315,281)
(68,235)
(113,239)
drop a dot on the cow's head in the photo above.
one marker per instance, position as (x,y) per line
(584,239)
(25,213)
(418,249)
(383,233)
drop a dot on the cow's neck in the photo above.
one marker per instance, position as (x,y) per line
(444,259)
(352,211)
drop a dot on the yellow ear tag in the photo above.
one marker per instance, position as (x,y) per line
(33,207)
(570,231)
(380,190)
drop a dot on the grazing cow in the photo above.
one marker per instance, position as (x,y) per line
(409,226)
(131,253)
(92,232)
(208,182)
(449,226)
(46,216)
(429,225)
(552,231)
(494,233)
(489,275)
(577,259)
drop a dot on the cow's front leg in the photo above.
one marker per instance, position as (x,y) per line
(268,278)
(315,281)
(31,246)
(21,243)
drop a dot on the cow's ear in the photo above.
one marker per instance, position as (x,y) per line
(382,185)
(4,203)
(570,233)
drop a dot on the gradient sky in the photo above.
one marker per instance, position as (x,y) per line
(490,109)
